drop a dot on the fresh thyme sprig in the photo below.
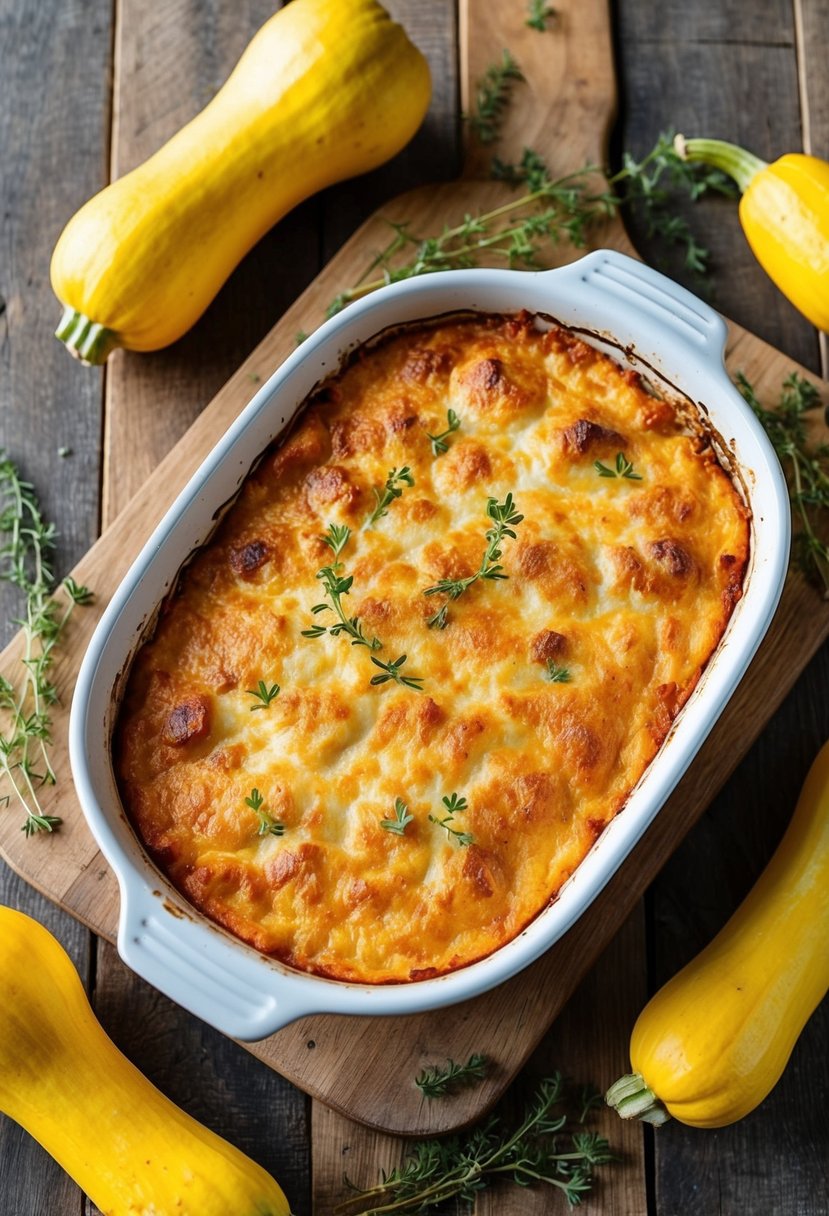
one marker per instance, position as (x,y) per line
(336,586)
(648,187)
(401,820)
(391,671)
(25,556)
(556,674)
(492,97)
(436,1082)
(623,468)
(337,537)
(268,826)
(393,488)
(589,1098)
(439,444)
(453,804)
(505,518)
(543,1148)
(539,14)
(263,695)
(520,231)
(807,468)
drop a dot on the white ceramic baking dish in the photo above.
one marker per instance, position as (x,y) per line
(622,306)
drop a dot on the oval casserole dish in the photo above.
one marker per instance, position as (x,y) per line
(648,324)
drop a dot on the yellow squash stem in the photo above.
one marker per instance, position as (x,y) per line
(324,91)
(711,1044)
(127,1146)
(784,211)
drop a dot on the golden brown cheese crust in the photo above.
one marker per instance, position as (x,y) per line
(626,584)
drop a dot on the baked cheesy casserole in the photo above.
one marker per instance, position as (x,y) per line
(430,650)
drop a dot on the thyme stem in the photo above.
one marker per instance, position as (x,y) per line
(24,563)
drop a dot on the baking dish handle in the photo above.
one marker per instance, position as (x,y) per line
(194,966)
(606,276)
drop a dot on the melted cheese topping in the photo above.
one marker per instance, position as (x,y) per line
(625,584)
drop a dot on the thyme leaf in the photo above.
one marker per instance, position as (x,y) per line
(337,537)
(492,97)
(263,695)
(623,468)
(439,444)
(40,823)
(268,826)
(539,14)
(391,671)
(393,488)
(544,1148)
(556,674)
(453,803)
(401,820)
(26,546)
(807,469)
(436,1082)
(505,519)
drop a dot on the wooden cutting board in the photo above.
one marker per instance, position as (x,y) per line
(363,1067)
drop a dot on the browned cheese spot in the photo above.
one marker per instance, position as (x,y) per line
(461,737)
(480,867)
(429,718)
(672,557)
(309,445)
(188,721)
(246,559)
(547,645)
(468,462)
(669,701)
(357,433)
(328,485)
(584,436)
(731,570)
(535,795)
(560,575)
(485,375)
(289,864)
(424,362)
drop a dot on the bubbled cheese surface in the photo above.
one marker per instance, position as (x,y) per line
(624,584)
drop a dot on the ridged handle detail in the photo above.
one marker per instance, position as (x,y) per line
(206,975)
(654,296)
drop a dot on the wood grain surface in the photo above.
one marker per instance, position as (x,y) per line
(745,1169)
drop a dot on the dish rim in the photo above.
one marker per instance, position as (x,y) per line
(617,304)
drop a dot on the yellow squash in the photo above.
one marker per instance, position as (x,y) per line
(326,89)
(713,1042)
(124,1143)
(784,211)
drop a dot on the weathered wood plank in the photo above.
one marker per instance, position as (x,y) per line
(170,60)
(54,125)
(435,152)
(717,76)
(170,63)
(812,33)
(776,1159)
(588,1043)
(31,1183)
(728,71)
(214,1080)
(692,1160)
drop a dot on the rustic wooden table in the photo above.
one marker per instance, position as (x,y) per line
(90,88)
